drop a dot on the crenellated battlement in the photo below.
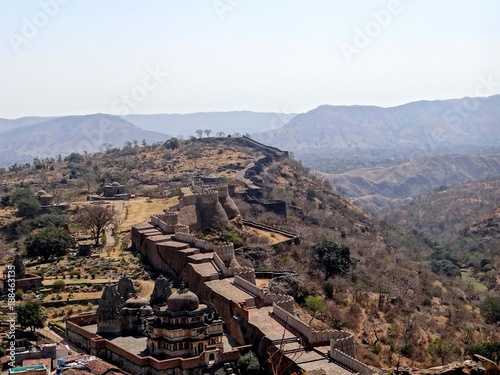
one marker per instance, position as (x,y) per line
(313,336)
(208,197)
(246,273)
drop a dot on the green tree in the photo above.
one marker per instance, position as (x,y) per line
(440,348)
(172,143)
(26,202)
(316,305)
(49,242)
(489,350)
(490,309)
(30,314)
(333,258)
(248,364)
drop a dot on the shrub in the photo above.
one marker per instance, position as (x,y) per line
(490,309)
(58,285)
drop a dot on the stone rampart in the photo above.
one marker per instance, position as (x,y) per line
(208,197)
(345,345)
(351,362)
(226,272)
(224,251)
(170,218)
(185,237)
(292,321)
(282,300)
(246,273)
(313,336)
(154,219)
(187,200)
(249,287)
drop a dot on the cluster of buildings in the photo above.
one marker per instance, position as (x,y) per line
(224,313)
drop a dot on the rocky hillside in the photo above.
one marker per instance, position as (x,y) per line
(390,296)
(379,188)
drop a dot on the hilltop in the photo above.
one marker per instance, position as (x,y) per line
(393,300)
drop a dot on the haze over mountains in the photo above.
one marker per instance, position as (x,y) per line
(423,125)
(64,135)
(377,156)
(228,122)
(23,139)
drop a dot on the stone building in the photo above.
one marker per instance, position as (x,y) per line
(182,327)
(121,311)
(16,271)
(45,198)
(113,189)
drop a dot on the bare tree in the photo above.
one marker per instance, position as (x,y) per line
(208,132)
(221,134)
(199,133)
(95,219)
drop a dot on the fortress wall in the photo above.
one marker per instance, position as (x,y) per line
(170,218)
(154,219)
(208,197)
(292,321)
(138,237)
(220,264)
(350,362)
(230,207)
(313,336)
(181,228)
(282,300)
(248,286)
(224,251)
(324,336)
(185,237)
(345,345)
(205,245)
(246,273)
(162,259)
(187,200)
(196,189)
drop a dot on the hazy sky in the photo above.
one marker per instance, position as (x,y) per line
(182,56)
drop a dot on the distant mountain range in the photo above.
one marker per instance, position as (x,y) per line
(23,139)
(227,122)
(424,125)
(31,138)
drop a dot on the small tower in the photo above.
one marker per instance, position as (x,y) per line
(161,291)
(125,287)
(109,312)
(19,267)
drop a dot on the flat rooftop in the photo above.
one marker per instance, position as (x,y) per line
(226,288)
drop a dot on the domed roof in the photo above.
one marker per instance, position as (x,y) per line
(136,302)
(115,184)
(183,300)
(41,193)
